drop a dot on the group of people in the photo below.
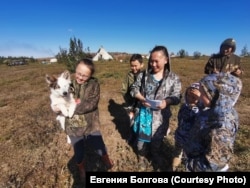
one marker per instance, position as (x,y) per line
(207,120)
(156,82)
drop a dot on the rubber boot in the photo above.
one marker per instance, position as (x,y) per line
(176,163)
(142,164)
(81,170)
(107,161)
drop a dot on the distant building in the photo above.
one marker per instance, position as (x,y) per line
(53,60)
(14,63)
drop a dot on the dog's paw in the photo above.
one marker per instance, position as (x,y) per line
(68,140)
(71,114)
(58,118)
(65,114)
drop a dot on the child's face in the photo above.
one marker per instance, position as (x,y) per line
(83,73)
(192,96)
(158,61)
(135,66)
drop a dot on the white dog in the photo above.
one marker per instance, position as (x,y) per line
(61,96)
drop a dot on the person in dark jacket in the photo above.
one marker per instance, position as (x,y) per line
(187,114)
(225,60)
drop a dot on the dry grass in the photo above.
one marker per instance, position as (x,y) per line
(33,149)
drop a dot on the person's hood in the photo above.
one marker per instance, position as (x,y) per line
(222,86)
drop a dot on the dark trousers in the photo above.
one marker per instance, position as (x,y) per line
(94,141)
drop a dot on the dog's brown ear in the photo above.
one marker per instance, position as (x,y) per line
(47,78)
(50,79)
(72,89)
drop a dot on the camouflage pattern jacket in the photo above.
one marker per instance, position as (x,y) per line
(86,117)
(168,88)
(129,80)
(209,146)
(222,63)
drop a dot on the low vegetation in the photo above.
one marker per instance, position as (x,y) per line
(34,152)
